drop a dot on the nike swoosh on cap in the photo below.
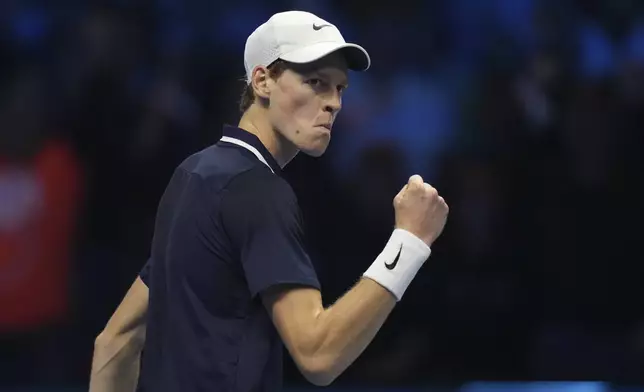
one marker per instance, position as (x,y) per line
(316,27)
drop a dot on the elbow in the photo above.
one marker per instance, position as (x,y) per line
(102,340)
(106,339)
(130,340)
(318,371)
(104,343)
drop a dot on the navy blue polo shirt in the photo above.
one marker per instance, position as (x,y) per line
(227,228)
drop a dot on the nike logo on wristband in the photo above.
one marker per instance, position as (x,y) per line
(393,264)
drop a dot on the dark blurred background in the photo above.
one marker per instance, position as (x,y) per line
(527,116)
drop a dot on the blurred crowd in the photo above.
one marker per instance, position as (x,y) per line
(525,114)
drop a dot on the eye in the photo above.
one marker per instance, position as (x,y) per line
(341,88)
(315,82)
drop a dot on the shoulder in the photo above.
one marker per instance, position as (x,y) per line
(233,170)
(259,186)
(219,160)
(259,200)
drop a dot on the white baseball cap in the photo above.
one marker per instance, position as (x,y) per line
(299,37)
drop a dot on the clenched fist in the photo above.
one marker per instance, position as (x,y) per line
(420,210)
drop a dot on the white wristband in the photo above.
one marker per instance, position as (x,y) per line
(399,261)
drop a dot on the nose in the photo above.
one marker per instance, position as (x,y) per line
(334,103)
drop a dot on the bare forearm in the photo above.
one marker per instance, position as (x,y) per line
(324,342)
(117,350)
(346,328)
(115,365)
(120,376)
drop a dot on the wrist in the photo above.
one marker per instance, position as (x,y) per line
(397,264)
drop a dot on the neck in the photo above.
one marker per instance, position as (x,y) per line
(255,121)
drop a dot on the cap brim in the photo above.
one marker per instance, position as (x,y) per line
(357,58)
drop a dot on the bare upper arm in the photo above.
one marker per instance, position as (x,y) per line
(295,311)
(130,315)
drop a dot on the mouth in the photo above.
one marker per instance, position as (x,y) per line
(327,126)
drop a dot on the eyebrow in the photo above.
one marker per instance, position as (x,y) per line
(326,75)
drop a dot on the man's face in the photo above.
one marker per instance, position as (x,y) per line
(305,100)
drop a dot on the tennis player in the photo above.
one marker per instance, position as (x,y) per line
(229,282)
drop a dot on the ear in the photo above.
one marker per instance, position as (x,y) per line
(260,82)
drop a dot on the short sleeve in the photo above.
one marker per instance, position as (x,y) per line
(145,272)
(261,216)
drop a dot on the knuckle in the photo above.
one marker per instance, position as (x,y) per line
(398,200)
(415,181)
(415,178)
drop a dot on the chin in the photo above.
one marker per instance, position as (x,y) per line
(315,153)
(316,149)
(316,144)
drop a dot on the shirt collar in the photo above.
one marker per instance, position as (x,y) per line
(253,141)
